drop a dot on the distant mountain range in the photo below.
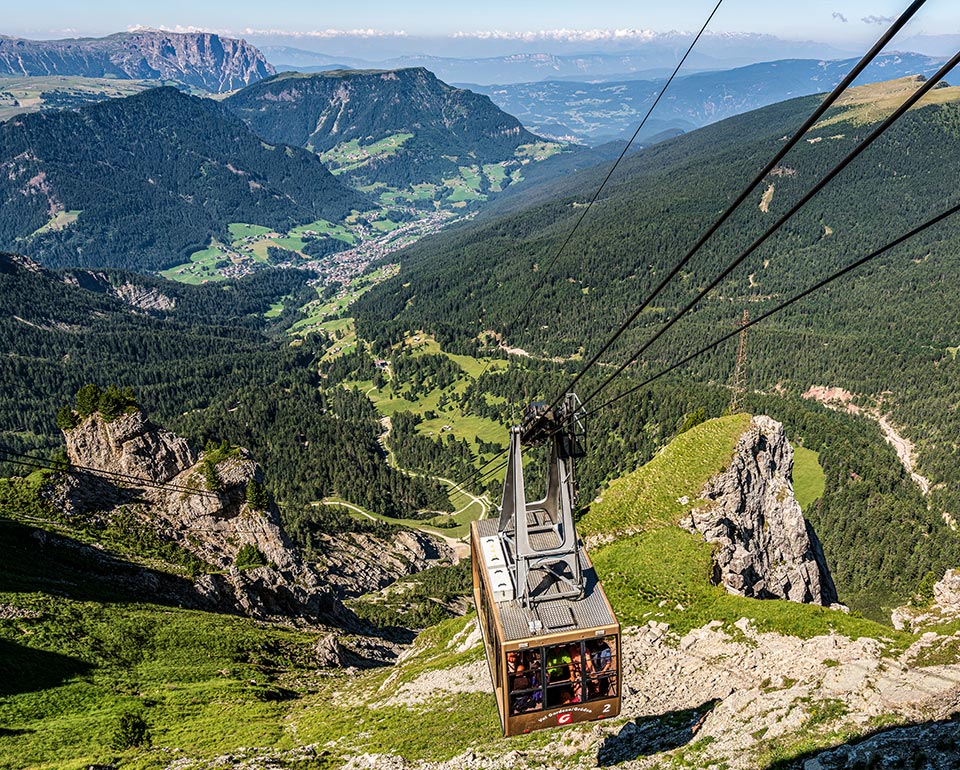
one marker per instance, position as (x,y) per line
(199,60)
(581,55)
(145,181)
(499,69)
(597,112)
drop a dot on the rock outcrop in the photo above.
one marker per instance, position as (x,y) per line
(357,563)
(199,59)
(944,607)
(764,547)
(131,445)
(139,464)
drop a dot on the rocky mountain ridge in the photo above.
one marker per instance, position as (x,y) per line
(200,60)
(201,501)
(133,459)
(763,546)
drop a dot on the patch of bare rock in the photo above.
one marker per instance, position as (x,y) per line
(723,697)
(944,607)
(141,469)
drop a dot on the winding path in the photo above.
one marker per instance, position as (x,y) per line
(459,547)
(842,400)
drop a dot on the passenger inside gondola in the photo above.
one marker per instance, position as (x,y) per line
(525,691)
(558,663)
(600,664)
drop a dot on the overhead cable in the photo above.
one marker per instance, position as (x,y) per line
(806,292)
(847,160)
(841,87)
(8,455)
(543,273)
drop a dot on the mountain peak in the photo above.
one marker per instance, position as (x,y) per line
(437,127)
(202,60)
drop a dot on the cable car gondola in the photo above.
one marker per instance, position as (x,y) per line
(552,640)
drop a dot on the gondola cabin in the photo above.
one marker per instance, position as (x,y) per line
(551,637)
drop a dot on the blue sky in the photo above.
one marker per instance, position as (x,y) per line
(799,19)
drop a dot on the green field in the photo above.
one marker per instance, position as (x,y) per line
(275,310)
(464,187)
(204,265)
(349,156)
(59,222)
(19,95)
(497,175)
(538,150)
(449,421)
(385,225)
(323,227)
(808,477)
(241,230)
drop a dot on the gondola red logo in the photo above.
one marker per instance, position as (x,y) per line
(565,718)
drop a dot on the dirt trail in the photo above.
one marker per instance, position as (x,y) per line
(840,399)
(904,451)
(458,546)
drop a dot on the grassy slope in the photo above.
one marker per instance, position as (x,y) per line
(808,477)
(653,562)
(209,685)
(78,648)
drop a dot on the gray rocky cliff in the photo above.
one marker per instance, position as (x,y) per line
(763,546)
(199,59)
(131,444)
(942,607)
(214,525)
(357,563)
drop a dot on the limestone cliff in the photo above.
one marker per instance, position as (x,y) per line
(131,445)
(199,59)
(763,546)
(155,471)
(357,563)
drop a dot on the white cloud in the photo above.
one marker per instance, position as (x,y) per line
(179,29)
(325,33)
(563,35)
(319,33)
(877,19)
(838,15)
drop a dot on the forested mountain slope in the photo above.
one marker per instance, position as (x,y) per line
(204,361)
(393,127)
(658,203)
(888,333)
(143,182)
